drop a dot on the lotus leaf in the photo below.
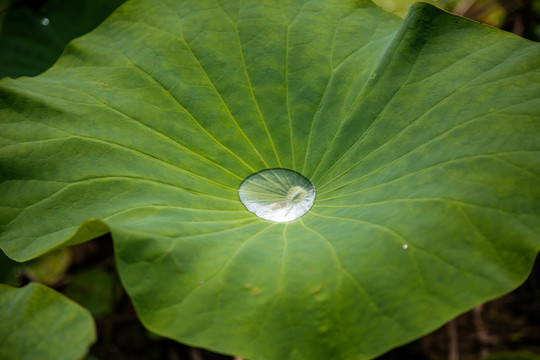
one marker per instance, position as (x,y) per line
(420,136)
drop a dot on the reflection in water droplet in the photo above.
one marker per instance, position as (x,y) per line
(45,21)
(278,195)
(405,246)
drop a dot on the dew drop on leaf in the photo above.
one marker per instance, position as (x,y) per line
(45,21)
(278,195)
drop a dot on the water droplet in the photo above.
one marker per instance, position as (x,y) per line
(405,246)
(278,195)
(45,21)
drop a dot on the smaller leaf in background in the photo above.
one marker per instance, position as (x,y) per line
(94,289)
(38,323)
(7,270)
(48,269)
(33,33)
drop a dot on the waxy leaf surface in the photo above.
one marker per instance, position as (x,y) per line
(421,138)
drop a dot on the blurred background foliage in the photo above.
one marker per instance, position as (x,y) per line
(518,16)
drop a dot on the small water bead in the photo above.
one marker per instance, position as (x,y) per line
(278,195)
(45,21)
(405,246)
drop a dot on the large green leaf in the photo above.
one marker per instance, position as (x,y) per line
(38,323)
(421,138)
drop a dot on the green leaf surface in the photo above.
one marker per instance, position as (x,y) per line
(38,323)
(33,35)
(421,138)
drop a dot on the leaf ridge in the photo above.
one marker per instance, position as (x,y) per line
(206,132)
(422,170)
(260,115)
(111,143)
(287,92)
(323,99)
(218,271)
(441,199)
(401,89)
(277,295)
(158,133)
(105,178)
(210,82)
(291,136)
(144,154)
(445,132)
